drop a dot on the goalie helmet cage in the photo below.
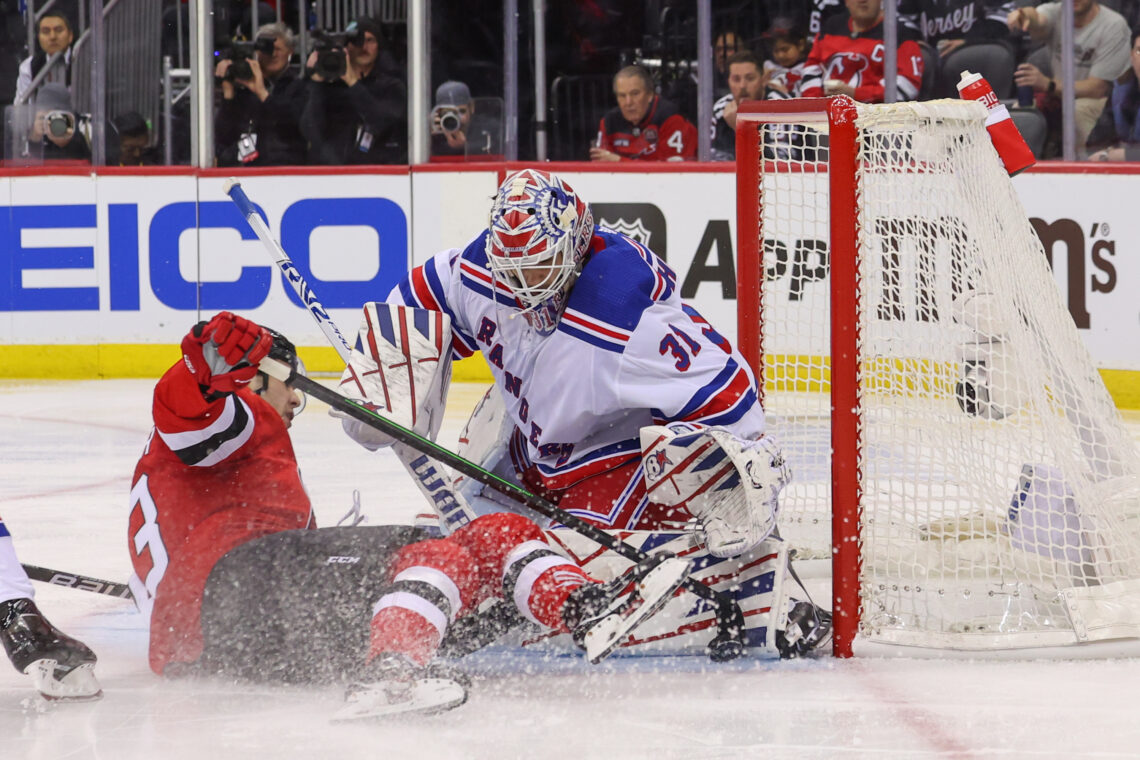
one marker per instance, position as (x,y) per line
(953,449)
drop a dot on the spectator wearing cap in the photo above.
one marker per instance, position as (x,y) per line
(53,35)
(56,132)
(457,131)
(362,116)
(257,122)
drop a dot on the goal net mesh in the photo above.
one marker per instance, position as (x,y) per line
(999,492)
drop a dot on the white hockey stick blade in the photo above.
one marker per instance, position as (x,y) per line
(652,592)
(80,685)
(425,695)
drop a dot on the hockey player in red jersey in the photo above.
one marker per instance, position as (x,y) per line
(846,57)
(62,668)
(237,580)
(644,126)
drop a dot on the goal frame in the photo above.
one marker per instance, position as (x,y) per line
(839,113)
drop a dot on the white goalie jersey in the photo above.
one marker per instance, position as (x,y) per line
(627,353)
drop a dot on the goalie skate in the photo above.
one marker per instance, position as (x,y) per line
(400,688)
(607,614)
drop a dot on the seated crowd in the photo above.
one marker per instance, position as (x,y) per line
(342,104)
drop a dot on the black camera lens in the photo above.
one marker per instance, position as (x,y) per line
(265,44)
(330,64)
(240,69)
(58,124)
(449,121)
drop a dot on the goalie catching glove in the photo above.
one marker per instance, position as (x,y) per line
(400,368)
(223,353)
(730,485)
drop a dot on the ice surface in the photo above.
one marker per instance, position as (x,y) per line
(67,452)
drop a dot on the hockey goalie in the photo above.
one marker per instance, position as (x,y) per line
(612,398)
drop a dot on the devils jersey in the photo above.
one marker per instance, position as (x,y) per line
(662,135)
(936,20)
(214,475)
(857,60)
(626,353)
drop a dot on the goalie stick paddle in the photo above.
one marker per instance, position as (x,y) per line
(729,641)
(81,582)
(429,478)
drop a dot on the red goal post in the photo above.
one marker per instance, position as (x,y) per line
(955,455)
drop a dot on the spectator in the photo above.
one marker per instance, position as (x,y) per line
(726,45)
(789,47)
(746,82)
(53,35)
(457,131)
(1126,112)
(57,133)
(847,57)
(257,122)
(133,145)
(360,115)
(644,126)
(949,24)
(1100,51)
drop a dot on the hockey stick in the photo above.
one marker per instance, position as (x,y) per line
(430,479)
(729,641)
(81,582)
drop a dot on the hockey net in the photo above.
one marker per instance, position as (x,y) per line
(953,448)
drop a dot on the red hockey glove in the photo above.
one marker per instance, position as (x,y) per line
(223,353)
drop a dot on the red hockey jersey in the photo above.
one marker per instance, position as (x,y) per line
(214,475)
(662,135)
(857,60)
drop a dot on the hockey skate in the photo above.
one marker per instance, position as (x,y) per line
(394,685)
(808,629)
(601,616)
(61,667)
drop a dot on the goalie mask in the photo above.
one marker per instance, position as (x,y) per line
(285,352)
(538,236)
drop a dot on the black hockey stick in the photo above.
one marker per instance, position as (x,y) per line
(81,582)
(729,641)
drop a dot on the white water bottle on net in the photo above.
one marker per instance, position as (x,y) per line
(953,448)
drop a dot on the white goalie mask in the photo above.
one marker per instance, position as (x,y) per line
(541,228)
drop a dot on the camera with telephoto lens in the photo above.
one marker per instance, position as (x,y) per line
(330,63)
(241,52)
(447,118)
(58,123)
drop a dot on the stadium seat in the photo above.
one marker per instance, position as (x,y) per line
(993,60)
(929,87)
(1031,123)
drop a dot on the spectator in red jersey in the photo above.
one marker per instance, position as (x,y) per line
(644,126)
(847,57)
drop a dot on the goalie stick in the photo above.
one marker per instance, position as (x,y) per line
(427,475)
(728,644)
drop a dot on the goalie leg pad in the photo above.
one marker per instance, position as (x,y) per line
(730,485)
(400,366)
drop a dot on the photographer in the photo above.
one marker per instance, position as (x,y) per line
(256,124)
(355,113)
(457,131)
(56,130)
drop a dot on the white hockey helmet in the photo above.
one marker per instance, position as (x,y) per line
(538,223)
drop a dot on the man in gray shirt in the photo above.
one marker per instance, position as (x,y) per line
(1100,48)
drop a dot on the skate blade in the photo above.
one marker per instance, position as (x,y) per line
(655,589)
(80,685)
(428,696)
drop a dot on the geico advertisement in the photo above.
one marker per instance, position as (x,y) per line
(137,259)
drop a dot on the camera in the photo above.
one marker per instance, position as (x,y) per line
(240,52)
(448,119)
(59,123)
(330,62)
